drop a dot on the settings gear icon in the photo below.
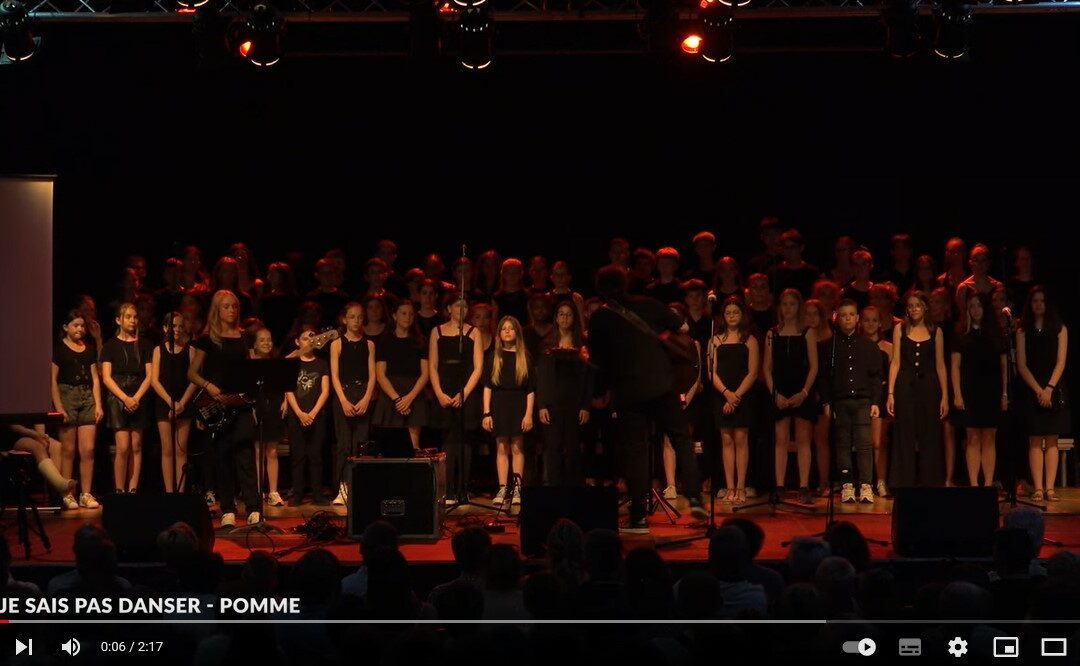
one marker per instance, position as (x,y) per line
(958,647)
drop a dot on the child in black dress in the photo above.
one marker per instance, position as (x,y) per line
(168,377)
(401,365)
(270,412)
(125,371)
(509,396)
(735,368)
(564,390)
(307,420)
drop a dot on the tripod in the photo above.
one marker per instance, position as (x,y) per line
(18,477)
(775,500)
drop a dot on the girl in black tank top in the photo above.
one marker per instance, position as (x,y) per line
(168,378)
(456,360)
(352,371)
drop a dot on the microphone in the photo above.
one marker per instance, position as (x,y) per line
(1007,312)
(711,297)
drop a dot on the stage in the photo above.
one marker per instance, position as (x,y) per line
(1062,524)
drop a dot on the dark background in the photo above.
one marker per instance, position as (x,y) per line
(547,154)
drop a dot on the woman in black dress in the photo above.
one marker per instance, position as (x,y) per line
(212,369)
(456,359)
(941,313)
(168,377)
(735,368)
(1042,344)
(564,391)
(817,319)
(979,376)
(76,393)
(270,411)
(918,397)
(352,375)
(401,366)
(790,368)
(509,396)
(125,372)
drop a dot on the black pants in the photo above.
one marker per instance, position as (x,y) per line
(851,421)
(458,453)
(633,456)
(349,433)
(236,464)
(562,448)
(305,446)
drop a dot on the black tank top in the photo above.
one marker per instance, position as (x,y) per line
(353,361)
(173,373)
(455,363)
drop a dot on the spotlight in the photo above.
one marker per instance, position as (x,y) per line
(261,37)
(476,31)
(952,22)
(718,31)
(692,44)
(189,6)
(902,37)
(19,43)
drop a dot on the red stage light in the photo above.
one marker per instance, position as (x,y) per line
(245,48)
(692,44)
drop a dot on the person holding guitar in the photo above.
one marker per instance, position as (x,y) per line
(215,352)
(625,343)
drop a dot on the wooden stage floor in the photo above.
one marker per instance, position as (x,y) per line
(1062,524)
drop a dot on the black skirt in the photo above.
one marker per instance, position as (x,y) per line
(386,416)
(119,418)
(269,424)
(508,411)
(740,418)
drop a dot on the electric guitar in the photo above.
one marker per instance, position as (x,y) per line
(215,414)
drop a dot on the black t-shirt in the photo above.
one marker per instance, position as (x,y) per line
(127,358)
(669,293)
(401,355)
(75,368)
(802,278)
(309,382)
(220,360)
(634,362)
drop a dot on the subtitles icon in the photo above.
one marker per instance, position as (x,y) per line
(910,647)
(1054,647)
(865,647)
(72,647)
(1006,646)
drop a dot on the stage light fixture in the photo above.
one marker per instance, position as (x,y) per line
(16,32)
(476,33)
(189,6)
(902,36)
(692,44)
(261,37)
(952,23)
(718,31)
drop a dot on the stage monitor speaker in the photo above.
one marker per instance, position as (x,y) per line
(591,507)
(405,492)
(133,522)
(944,522)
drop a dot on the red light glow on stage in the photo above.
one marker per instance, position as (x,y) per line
(692,44)
(245,49)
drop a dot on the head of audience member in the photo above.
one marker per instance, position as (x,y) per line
(503,571)
(316,578)
(565,548)
(877,595)
(1031,521)
(801,601)
(1013,552)
(379,534)
(471,547)
(603,555)
(389,595)
(177,543)
(845,540)
(838,582)
(961,600)
(95,557)
(260,575)
(803,558)
(648,584)
(729,554)
(460,600)
(543,596)
(699,597)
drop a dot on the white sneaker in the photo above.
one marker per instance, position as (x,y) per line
(882,489)
(254,518)
(866,495)
(343,493)
(87,501)
(847,494)
(500,497)
(70,503)
(210,498)
(670,493)
(516,499)
(228,520)
(274,499)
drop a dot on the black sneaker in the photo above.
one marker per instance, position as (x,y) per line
(635,526)
(804,496)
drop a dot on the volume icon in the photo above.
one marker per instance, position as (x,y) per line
(72,647)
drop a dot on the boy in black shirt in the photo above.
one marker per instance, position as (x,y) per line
(307,422)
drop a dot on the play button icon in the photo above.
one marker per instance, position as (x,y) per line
(21,647)
(867,647)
